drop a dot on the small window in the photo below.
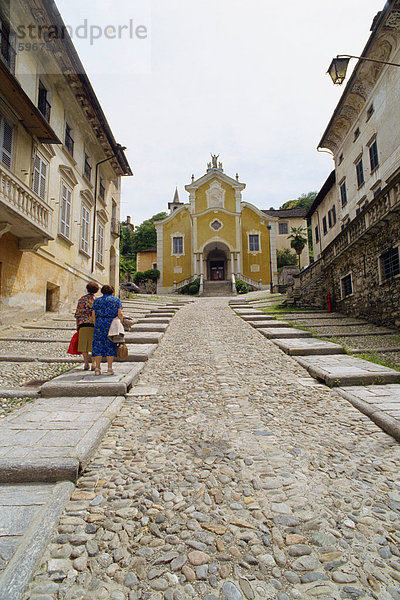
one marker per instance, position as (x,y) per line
(102,190)
(40,169)
(65,217)
(100,244)
(360,173)
(69,140)
(283,228)
(373,156)
(324,226)
(6,142)
(154,266)
(7,52)
(370,112)
(85,225)
(377,191)
(316,230)
(346,286)
(341,157)
(390,264)
(43,102)
(87,168)
(358,210)
(254,243)
(343,193)
(330,218)
(333,215)
(177,245)
(356,133)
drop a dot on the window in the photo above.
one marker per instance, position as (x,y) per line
(87,168)
(341,157)
(177,245)
(370,112)
(154,266)
(40,168)
(85,226)
(254,243)
(316,234)
(346,286)
(373,156)
(65,218)
(360,173)
(358,210)
(7,52)
(390,264)
(69,140)
(333,215)
(377,191)
(102,190)
(324,226)
(343,193)
(43,102)
(283,228)
(356,133)
(329,219)
(100,244)
(6,142)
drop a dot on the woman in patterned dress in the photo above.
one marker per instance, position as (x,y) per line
(105,309)
(84,323)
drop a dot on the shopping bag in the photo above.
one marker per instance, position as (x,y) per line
(73,345)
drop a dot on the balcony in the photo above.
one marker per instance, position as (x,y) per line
(23,213)
(115,225)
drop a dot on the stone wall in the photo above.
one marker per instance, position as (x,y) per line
(375,300)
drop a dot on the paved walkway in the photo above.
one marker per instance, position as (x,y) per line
(230,473)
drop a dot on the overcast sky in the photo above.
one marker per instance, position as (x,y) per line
(245,79)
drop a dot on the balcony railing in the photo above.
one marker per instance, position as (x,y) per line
(24,205)
(45,108)
(385,202)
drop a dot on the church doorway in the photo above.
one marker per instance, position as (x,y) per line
(217,263)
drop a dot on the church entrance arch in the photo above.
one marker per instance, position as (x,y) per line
(217,263)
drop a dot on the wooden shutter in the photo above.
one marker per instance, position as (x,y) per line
(6,142)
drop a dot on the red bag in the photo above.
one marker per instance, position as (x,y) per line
(73,345)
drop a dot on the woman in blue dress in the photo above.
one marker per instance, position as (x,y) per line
(105,309)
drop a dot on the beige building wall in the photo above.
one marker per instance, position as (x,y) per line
(48,241)
(146,260)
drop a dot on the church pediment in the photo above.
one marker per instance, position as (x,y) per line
(214,174)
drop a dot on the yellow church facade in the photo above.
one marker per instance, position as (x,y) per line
(216,236)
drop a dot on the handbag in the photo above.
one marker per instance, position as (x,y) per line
(122,351)
(73,345)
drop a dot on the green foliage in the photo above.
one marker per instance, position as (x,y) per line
(286,257)
(145,235)
(126,242)
(298,239)
(126,266)
(191,288)
(138,277)
(241,287)
(303,201)
(153,274)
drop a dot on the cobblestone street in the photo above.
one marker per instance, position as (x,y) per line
(230,474)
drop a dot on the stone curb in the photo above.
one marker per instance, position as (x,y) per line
(21,568)
(134,357)
(382,419)
(41,470)
(19,393)
(320,348)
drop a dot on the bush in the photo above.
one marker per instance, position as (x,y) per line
(152,274)
(286,257)
(138,277)
(191,288)
(241,287)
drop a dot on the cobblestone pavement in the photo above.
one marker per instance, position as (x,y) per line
(230,474)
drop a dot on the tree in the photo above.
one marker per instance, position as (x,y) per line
(285,257)
(298,239)
(303,201)
(145,236)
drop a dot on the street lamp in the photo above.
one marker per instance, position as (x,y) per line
(338,66)
(121,149)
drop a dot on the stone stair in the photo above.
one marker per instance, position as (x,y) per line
(217,288)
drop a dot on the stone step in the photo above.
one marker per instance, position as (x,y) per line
(143,337)
(85,383)
(343,370)
(149,327)
(269,324)
(284,333)
(308,347)
(151,319)
(257,317)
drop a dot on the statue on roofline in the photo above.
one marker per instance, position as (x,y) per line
(214,159)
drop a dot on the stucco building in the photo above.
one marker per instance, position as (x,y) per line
(57,231)
(215,236)
(286,219)
(355,217)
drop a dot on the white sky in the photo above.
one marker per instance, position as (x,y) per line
(245,79)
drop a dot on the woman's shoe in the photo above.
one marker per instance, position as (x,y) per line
(110,372)
(97,372)
(86,368)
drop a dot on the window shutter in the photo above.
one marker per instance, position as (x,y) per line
(43,174)
(36,174)
(6,142)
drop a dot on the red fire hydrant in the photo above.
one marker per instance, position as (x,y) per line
(329,301)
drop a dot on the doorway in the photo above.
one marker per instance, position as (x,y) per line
(217,270)
(52,297)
